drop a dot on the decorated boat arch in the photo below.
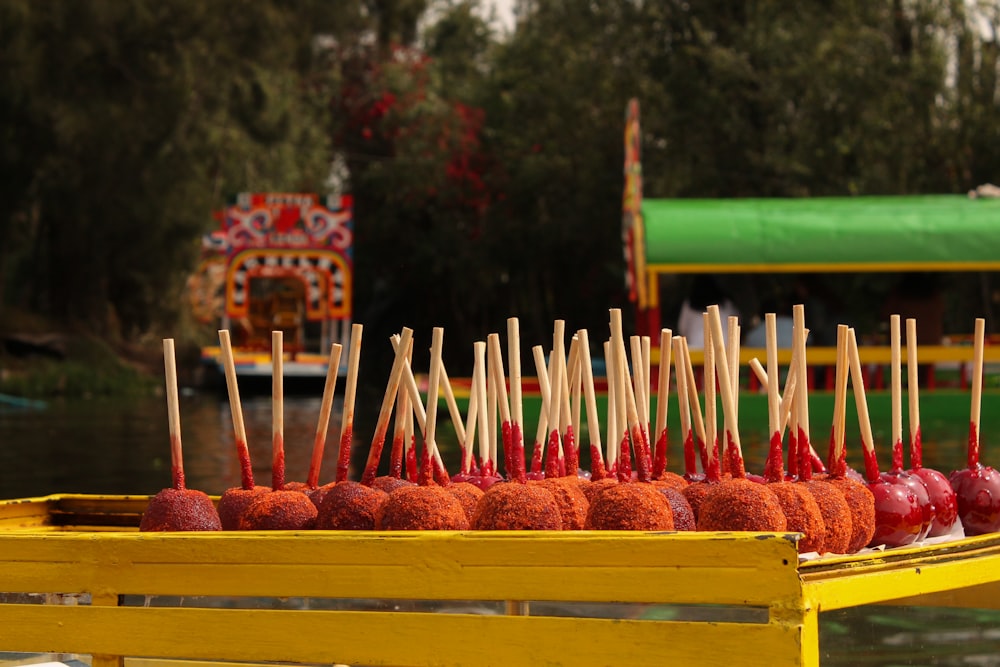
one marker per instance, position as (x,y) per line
(278,261)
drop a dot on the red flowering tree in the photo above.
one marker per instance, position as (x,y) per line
(391,123)
(417,169)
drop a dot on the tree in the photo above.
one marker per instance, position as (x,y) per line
(410,133)
(145,116)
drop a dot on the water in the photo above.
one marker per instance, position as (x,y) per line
(121,447)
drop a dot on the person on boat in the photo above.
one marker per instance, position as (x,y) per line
(757,336)
(919,295)
(705,291)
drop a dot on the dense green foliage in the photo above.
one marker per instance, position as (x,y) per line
(487,167)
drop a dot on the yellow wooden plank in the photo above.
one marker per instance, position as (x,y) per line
(892,581)
(390,548)
(981,596)
(390,638)
(801,617)
(870,560)
(25,512)
(753,569)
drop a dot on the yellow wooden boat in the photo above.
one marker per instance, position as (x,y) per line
(403,598)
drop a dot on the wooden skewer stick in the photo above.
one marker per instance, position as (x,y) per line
(802,393)
(409,437)
(977,391)
(566,360)
(733,362)
(726,389)
(638,429)
(860,399)
(519,472)
(590,400)
(399,447)
(479,364)
(696,410)
(575,376)
(433,387)
(381,426)
(573,395)
(775,468)
(684,407)
(350,394)
(733,323)
(913,394)
(647,390)
(838,462)
(896,391)
(242,452)
(568,367)
(795,402)
(662,394)
(553,453)
(713,470)
(514,357)
(663,383)
(277,411)
(611,448)
(721,437)
(694,402)
(409,385)
(494,358)
(806,451)
(174,414)
(555,456)
(492,408)
(542,432)
(623,449)
(640,382)
(791,380)
(479,349)
(325,408)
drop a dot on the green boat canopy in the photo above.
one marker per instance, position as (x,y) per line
(895,233)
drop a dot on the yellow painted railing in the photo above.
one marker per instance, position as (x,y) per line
(869,354)
(63,544)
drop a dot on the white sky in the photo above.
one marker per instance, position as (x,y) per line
(505,12)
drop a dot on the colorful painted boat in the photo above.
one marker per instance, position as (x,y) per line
(664,238)
(278,262)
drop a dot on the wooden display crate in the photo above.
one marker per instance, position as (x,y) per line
(410,598)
